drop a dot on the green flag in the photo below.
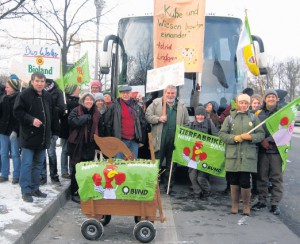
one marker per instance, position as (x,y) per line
(127,180)
(281,125)
(199,151)
(60,81)
(79,73)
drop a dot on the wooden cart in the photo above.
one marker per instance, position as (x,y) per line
(99,212)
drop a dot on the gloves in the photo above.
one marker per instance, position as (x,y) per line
(265,144)
(238,138)
(246,137)
(13,136)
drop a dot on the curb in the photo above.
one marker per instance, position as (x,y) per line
(42,219)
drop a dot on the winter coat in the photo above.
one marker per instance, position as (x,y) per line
(58,100)
(263,114)
(105,123)
(83,125)
(241,157)
(206,126)
(28,106)
(140,122)
(8,123)
(72,102)
(154,112)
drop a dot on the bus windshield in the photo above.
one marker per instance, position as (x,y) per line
(220,78)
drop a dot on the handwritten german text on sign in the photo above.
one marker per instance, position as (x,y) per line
(179,33)
(44,59)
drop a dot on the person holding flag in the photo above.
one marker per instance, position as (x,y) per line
(241,151)
(164,114)
(269,159)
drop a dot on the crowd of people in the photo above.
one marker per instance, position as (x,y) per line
(32,120)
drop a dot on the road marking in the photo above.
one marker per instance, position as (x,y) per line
(296,135)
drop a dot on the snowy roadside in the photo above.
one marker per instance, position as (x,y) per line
(16,216)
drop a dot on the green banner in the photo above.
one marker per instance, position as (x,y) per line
(281,127)
(127,180)
(79,73)
(200,151)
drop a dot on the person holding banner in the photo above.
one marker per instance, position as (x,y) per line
(83,121)
(241,151)
(269,160)
(163,120)
(200,180)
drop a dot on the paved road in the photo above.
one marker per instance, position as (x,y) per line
(196,221)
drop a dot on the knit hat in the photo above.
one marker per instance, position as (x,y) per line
(70,88)
(96,83)
(98,96)
(249,91)
(84,95)
(243,97)
(270,91)
(107,92)
(215,106)
(281,93)
(14,82)
(200,110)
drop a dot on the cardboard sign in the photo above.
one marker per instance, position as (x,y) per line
(44,59)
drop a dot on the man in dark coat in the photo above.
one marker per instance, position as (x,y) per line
(59,106)
(38,121)
(269,159)
(129,123)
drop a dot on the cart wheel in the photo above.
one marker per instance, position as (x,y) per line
(144,231)
(105,219)
(92,229)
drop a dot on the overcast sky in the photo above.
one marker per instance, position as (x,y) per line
(276,22)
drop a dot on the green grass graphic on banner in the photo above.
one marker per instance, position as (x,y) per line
(127,180)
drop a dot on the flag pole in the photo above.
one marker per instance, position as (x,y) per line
(260,124)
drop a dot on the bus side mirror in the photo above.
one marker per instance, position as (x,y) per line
(260,54)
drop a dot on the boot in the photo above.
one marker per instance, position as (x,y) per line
(234,190)
(246,194)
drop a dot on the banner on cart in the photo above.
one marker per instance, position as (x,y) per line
(127,180)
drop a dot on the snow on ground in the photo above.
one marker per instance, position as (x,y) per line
(15,214)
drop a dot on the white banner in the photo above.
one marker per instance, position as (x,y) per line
(44,59)
(160,78)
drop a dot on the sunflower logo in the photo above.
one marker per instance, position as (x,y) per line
(39,60)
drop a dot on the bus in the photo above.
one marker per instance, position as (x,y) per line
(128,55)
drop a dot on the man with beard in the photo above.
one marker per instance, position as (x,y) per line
(164,128)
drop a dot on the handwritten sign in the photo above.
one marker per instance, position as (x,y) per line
(44,59)
(179,33)
(158,79)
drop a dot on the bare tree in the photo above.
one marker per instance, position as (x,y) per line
(64,21)
(292,77)
(8,7)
